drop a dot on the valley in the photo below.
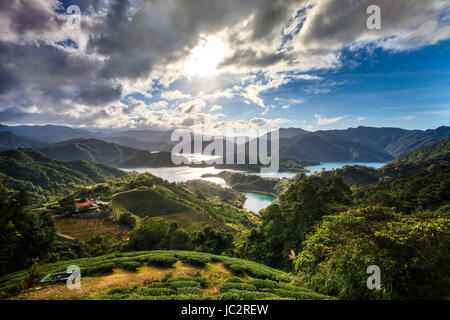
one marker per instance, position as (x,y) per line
(93,212)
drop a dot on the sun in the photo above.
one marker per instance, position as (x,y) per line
(205,57)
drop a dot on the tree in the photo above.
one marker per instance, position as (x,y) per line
(24,234)
(411,250)
(284,227)
(212,240)
(150,234)
(127,220)
(177,239)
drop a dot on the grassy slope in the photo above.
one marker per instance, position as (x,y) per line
(162,202)
(272,283)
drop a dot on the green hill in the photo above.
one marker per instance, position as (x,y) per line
(110,154)
(164,275)
(145,195)
(416,139)
(243,182)
(435,152)
(162,202)
(46,178)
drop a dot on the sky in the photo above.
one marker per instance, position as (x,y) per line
(237,65)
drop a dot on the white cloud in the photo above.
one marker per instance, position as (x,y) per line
(361,118)
(215,108)
(408,118)
(159,105)
(174,95)
(324,121)
(193,106)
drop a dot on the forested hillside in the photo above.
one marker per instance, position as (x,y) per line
(45,178)
(110,154)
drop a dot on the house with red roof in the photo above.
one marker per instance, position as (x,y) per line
(84,204)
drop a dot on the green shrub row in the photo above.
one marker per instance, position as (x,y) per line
(183,284)
(189,290)
(236,286)
(245,295)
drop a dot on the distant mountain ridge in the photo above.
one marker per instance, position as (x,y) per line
(393,141)
(48,133)
(326,147)
(8,141)
(93,150)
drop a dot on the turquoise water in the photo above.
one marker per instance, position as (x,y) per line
(257,201)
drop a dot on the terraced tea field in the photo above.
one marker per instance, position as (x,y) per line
(163,275)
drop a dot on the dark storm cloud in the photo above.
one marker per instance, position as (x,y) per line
(341,23)
(131,45)
(51,71)
(270,15)
(25,16)
(7,80)
(254,58)
(99,94)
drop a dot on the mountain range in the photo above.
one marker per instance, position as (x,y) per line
(361,144)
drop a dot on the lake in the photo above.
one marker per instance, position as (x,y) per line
(182,174)
(255,201)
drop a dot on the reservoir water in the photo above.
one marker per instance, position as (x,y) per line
(182,174)
(255,201)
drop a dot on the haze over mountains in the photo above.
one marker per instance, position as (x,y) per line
(126,148)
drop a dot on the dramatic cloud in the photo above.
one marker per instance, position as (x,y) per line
(156,49)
